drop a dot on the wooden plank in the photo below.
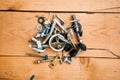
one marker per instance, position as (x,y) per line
(22,68)
(100,31)
(61,5)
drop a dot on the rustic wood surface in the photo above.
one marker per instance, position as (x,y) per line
(61,5)
(22,68)
(101,25)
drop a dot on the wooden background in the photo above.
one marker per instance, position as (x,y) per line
(101,26)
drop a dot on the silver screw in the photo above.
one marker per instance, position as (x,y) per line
(63,21)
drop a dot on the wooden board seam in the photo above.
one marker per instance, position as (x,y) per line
(65,56)
(87,12)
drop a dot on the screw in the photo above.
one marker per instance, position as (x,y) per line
(78,28)
(70,35)
(62,21)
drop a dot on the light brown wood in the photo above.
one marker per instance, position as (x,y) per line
(22,68)
(61,5)
(101,35)
(100,31)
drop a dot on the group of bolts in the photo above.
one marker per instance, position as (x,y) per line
(58,39)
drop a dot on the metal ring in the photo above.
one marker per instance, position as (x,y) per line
(41,19)
(50,43)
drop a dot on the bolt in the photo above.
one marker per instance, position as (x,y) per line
(70,36)
(62,21)
(60,26)
(41,61)
(52,30)
(78,28)
(63,39)
(50,33)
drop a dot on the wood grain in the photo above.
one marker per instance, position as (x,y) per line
(101,35)
(100,31)
(14,68)
(61,5)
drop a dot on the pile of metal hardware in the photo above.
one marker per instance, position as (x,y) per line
(58,39)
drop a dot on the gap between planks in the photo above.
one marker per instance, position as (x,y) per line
(54,56)
(115,55)
(87,12)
